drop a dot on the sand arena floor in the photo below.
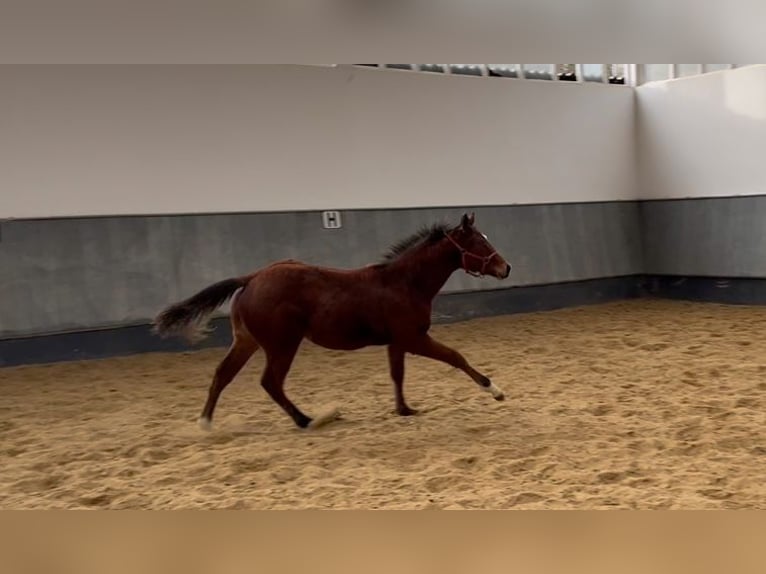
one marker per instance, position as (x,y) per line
(629,405)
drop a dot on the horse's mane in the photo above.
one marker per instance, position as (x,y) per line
(425,235)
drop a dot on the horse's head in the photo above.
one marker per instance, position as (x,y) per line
(478,256)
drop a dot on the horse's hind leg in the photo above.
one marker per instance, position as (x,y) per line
(240,351)
(273,381)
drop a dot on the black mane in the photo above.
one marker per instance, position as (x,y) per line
(425,235)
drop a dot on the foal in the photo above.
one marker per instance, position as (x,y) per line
(388,303)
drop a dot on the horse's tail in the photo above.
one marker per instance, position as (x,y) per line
(188,318)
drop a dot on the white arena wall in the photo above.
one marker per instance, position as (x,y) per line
(134,186)
(701,143)
(703,136)
(96,140)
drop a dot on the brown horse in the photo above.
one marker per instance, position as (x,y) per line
(388,303)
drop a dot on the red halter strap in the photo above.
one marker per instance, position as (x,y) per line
(464,253)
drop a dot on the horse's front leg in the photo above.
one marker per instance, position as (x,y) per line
(396,364)
(425,346)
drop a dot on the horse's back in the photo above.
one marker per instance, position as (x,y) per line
(335,308)
(298,284)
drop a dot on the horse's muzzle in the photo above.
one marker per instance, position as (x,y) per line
(501,271)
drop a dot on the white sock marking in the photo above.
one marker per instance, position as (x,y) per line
(494,391)
(325,418)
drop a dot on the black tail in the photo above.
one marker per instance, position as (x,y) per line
(188,317)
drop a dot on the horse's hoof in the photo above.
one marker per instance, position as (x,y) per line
(205,424)
(406,412)
(496,392)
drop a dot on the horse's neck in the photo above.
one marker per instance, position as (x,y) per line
(428,269)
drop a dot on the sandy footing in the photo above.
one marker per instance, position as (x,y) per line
(640,404)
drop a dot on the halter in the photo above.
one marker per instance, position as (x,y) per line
(464,253)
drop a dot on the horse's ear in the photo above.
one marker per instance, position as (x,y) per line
(467,220)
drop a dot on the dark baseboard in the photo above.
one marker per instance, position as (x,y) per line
(726,290)
(451,307)
(100,344)
(448,308)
